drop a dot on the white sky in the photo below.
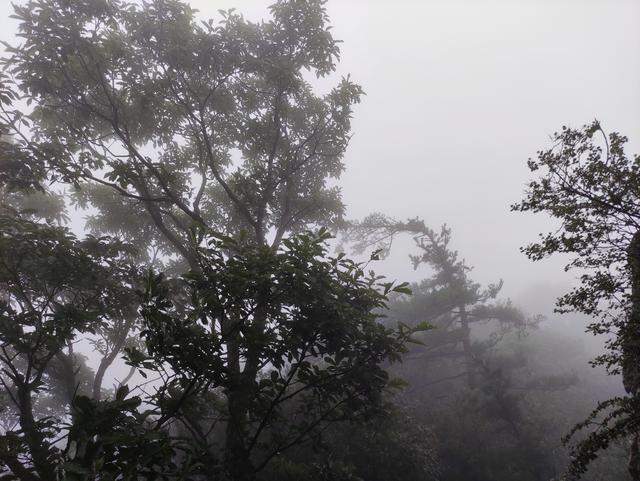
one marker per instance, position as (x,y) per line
(459,95)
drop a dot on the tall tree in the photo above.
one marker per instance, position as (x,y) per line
(166,126)
(159,122)
(469,378)
(148,111)
(449,300)
(303,326)
(55,289)
(588,183)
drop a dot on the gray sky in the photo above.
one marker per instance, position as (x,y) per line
(459,95)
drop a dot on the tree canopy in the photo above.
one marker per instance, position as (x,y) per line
(142,107)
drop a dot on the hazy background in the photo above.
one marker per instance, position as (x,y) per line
(459,95)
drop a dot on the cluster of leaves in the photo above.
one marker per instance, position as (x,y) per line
(114,439)
(303,327)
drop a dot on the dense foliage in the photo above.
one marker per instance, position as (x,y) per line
(312,359)
(56,289)
(201,329)
(291,337)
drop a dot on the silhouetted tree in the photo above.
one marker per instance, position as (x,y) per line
(469,378)
(55,289)
(587,182)
(290,337)
(449,300)
(163,124)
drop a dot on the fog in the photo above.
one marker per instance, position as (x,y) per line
(459,94)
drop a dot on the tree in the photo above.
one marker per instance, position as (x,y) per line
(145,110)
(449,300)
(163,124)
(588,183)
(291,338)
(470,378)
(314,358)
(55,289)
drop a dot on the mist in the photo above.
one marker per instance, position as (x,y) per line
(176,179)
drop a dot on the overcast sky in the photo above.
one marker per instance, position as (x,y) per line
(459,95)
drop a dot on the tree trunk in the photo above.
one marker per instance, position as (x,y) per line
(236,457)
(466,347)
(631,349)
(237,460)
(38,445)
(108,359)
